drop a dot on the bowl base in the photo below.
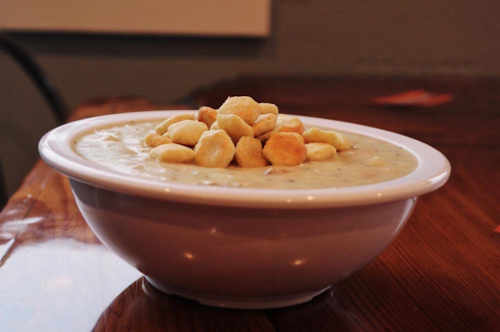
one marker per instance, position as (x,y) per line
(238,302)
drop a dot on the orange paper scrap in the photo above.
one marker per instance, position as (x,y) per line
(413,98)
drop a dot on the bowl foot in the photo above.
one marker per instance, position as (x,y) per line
(238,302)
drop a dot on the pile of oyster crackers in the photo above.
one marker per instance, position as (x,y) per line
(253,134)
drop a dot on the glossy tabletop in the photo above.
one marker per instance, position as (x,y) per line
(441,274)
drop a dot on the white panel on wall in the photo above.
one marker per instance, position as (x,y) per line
(174,17)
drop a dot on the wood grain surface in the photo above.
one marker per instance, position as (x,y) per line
(441,273)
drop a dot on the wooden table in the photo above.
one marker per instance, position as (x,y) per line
(441,274)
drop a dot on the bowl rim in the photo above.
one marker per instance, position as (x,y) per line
(57,150)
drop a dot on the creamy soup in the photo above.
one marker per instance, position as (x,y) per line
(369,161)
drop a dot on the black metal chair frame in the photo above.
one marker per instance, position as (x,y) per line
(42,81)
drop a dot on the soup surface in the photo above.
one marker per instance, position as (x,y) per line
(369,161)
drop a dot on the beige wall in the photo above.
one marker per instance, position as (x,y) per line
(323,37)
(235,18)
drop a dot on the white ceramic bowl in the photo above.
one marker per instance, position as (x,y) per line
(236,247)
